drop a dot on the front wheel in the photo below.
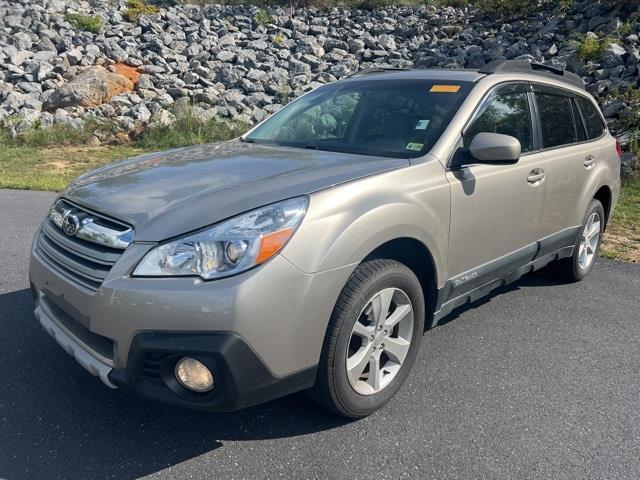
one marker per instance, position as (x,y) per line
(372,339)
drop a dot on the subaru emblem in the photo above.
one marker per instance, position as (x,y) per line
(70,224)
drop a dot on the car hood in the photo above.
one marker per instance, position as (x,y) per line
(170,193)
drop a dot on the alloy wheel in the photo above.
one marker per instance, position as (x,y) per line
(589,241)
(380,340)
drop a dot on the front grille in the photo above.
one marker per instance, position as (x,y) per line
(84,263)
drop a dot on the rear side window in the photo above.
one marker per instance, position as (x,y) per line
(595,125)
(556,120)
(506,112)
(580,132)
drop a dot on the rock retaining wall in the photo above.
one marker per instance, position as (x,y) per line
(238,62)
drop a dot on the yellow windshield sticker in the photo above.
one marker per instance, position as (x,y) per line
(445,88)
(414,147)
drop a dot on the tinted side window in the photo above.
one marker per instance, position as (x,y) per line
(556,120)
(506,113)
(580,132)
(595,126)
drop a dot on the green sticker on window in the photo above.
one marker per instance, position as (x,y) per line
(414,147)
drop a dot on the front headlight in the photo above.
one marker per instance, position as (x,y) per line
(230,247)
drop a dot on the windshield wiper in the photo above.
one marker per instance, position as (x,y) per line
(328,148)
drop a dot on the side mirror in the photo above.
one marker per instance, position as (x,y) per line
(495,148)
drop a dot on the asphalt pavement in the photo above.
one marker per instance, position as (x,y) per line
(539,381)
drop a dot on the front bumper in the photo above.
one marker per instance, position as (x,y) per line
(70,345)
(261,331)
(241,379)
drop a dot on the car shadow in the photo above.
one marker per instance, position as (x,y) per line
(54,415)
(58,421)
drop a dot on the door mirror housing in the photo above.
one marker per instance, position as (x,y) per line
(495,148)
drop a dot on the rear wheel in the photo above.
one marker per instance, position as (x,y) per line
(372,339)
(587,245)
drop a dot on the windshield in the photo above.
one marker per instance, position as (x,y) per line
(391,118)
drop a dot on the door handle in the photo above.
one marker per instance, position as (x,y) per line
(589,161)
(535,177)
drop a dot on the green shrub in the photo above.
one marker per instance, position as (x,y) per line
(631,123)
(565,5)
(325,4)
(591,48)
(278,38)
(629,120)
(634,144)
(56,135)
(507,9)
(88,23)
(138,8)
(377,4)
(450,3)
(263,18)
(622,3)
(626,28)
(189,130)
(510,9)
(373,4)
(285,93)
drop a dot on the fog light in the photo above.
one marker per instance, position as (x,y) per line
(193,375)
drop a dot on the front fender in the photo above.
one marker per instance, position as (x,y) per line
(346,223)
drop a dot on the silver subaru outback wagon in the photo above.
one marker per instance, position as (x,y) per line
(314,251)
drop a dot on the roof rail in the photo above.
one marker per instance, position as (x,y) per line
(368,71)
(524,66)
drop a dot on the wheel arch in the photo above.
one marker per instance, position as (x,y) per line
(417,256)
(604,196)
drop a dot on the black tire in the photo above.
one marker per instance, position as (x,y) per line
(569,268)
(332,388)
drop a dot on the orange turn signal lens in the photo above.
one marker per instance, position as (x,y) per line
(272,243)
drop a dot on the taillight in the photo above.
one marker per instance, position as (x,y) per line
(618,148)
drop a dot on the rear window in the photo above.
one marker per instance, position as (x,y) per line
(593,121)
(556,120)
